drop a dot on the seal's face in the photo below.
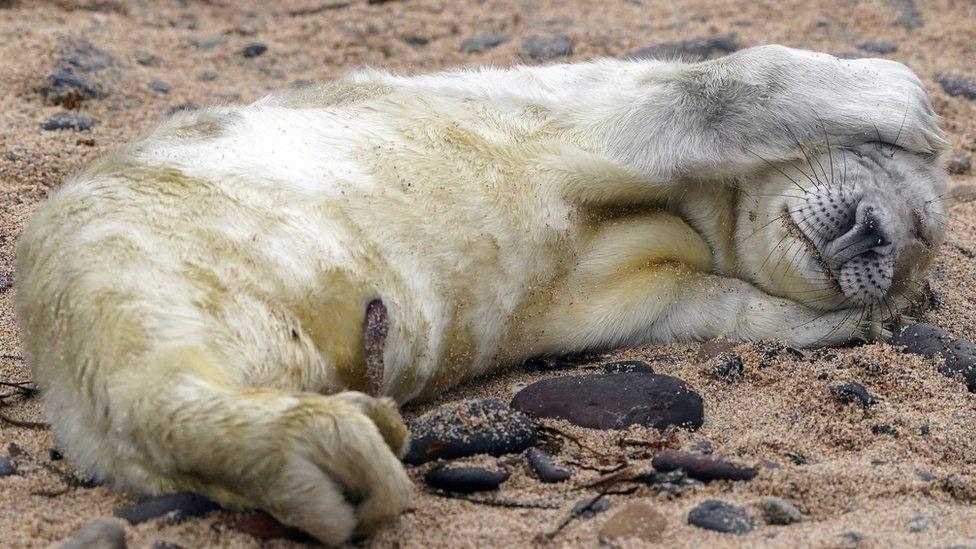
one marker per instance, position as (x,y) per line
(855,228)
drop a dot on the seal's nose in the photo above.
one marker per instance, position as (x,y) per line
(867,235)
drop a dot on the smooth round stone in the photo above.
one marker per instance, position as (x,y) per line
(922,339)
(719,516)
(779,511)
(544,467)
(464,480)
(466,428)
(614,401)
(700,467)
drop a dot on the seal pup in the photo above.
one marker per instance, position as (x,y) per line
(194,305)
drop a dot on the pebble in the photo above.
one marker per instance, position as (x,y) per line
(542,47)
(54,454)
(880,47)
(97,534)
(727,367)
(930,341)
(720,517)
(68,89)
(544,467)
(854,392)
(588,508)
(254,49)
(7,467)
(159,86)
(261,525)
(634,520)
(165,544)
(853,537)
(701,467)
(691,49)
(919,524)
(779,511)
(674,483)
(627,366)
(179,506)
(68,121)
(483,42)
(957,85)
(469,427)
(464,480)
(614,401)
(147,59)
(879,430)
(84,56)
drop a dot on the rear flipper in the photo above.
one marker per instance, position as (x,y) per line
(326,464)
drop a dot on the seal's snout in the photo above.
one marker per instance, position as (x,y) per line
(868,234)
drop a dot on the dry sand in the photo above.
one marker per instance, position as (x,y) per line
(843,477)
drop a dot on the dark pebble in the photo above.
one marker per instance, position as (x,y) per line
(691,49)
(7,467)
(546,47)
(54,454)
(929,341)
(159,86)
(888,430)
(544,467)
(700,467)
(908,14)
(179,506)
(464,480)
(924,429)
(674,483)
(68,121)
(165,544)
(415,40)
(483,42)
(960,163)
(727,367)
(254,49)
(261,525)
(925,476)
(854,392)
(469,427)
(853,537)
(957,85)
(627,366)
(878,47)
(68,89)
(148,59)
(720,517)
(84,56)
(614,401)
(98,534)
(588,508)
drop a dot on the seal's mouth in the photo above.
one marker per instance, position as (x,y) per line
(794,230)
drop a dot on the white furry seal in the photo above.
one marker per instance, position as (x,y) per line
(193,304)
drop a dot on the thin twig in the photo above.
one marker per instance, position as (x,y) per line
(19,423)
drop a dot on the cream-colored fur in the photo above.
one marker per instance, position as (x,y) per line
(193,303)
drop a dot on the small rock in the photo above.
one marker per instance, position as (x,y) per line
(674,483)
(165,544)
(84,56)
(180,506)
(466,428)
(159,86)
(879,430)
(878,47)
(853,537)
(626,366)
(483,43)
(541,47)
(691,49)
(930,341)
(254,49)
(727,367)
(909,16)
(924,429)
(97,534)
(7,467)
(957,85)
(208,75)
(919,524)
(464,480)
(779,511)
(589,508)
(614,401)
(68,121)
(54,454)
(720,517)
(925,476)
(702,468)
(69,90)
(854,392)
(148,59)
(415,40)
(261,525)
(634,521)
(544,467)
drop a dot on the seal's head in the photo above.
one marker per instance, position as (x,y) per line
(847,228)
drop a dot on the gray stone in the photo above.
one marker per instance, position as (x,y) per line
(483,42)
(700,467)
(7,467)
(957,85)
(779,511)
(68,121)
(466,428)
(178,507)
(464,480)
(68,89)
(919,524)
(854,392)
(254,49)
(542,47)
(719,516)
(880,47)
(159,86)
(98,534)
(84,56)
